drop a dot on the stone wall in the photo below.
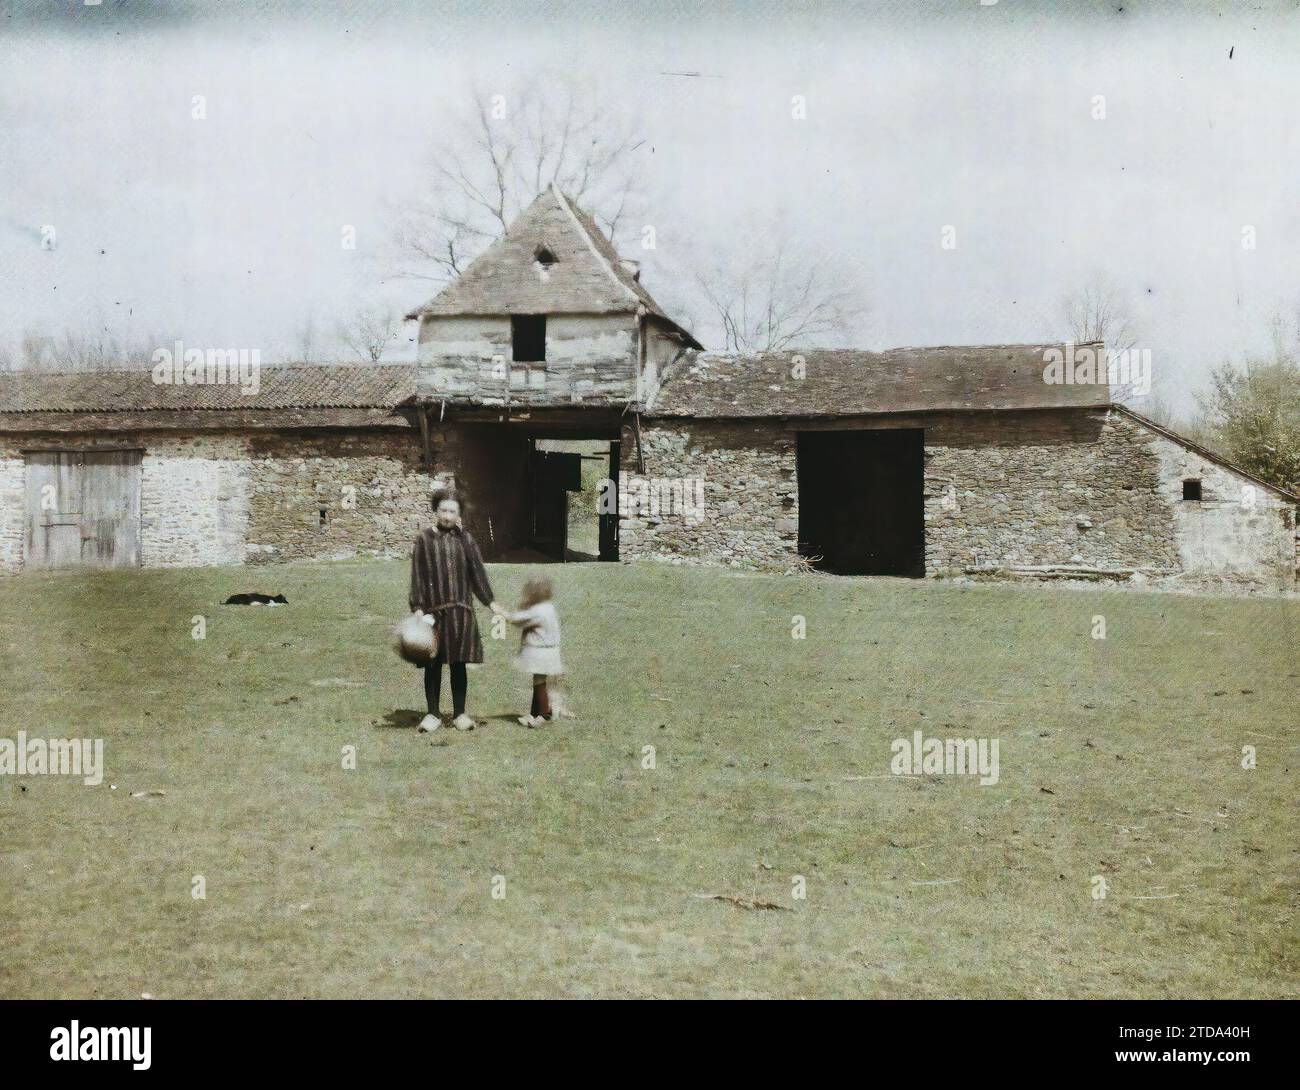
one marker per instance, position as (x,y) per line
(1045,488)
(1090,488)
(251,496)
(746,473)
(1027,489)
(1237,529)
(193,499)
(330,495)
(13,506)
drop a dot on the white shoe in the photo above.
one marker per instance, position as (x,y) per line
(463,722)
(429,724)
(525,720)
(537,721)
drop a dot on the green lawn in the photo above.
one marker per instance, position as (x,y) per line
(1119,758)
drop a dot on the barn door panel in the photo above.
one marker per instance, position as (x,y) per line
(110,509)
(83,509)
(53,510)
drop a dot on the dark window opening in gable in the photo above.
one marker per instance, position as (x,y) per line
(528,338)
(1191,490)
(544,256)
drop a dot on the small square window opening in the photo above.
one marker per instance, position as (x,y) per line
(528,338)
(1191,490)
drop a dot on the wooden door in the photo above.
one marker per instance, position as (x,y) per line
(83,509)
(110,509)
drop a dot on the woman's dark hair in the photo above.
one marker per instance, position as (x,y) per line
(440,494)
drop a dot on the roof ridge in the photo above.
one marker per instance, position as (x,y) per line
(591,242)
(146,369)
(1007,344)
(857,351)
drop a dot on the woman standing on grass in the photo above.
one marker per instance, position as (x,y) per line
(446,567)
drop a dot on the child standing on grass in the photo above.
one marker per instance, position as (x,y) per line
(539,650)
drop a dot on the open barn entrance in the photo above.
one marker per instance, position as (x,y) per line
(861,501)
(533,497)
(565,477)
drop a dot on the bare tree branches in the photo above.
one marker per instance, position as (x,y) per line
(508,146)
(778,292)
(505,149)
(1099,311)
(368,332)
(95,348)
(307,348)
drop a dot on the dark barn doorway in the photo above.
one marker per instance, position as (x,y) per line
(553,475)
(533,495)
(861,501)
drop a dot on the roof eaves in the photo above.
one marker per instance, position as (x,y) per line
(677,327)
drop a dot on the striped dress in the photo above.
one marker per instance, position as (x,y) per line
(446,566)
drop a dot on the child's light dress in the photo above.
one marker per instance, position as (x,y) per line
(539,651)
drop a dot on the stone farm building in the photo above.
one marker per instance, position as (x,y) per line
(916,461)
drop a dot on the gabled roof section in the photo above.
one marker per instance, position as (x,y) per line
(849,382)
(586,276)
(1202,451)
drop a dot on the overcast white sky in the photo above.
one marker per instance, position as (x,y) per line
(226,231)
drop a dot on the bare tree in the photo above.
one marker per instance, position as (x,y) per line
(307,347)
(34,350)
(511,144)
(507,147)
(1099,311)
(1284,335)
(783,293)
(98,347)
(369,331)
(1159,409)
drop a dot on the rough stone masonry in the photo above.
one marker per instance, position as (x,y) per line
(1002,490)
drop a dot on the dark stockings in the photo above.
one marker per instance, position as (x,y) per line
(433,686)
(541,698)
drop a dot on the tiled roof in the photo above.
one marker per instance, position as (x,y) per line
(297,386)
(606,250)
(839,382)
(587,276)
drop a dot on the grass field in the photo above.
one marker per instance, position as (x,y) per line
(1118,757)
